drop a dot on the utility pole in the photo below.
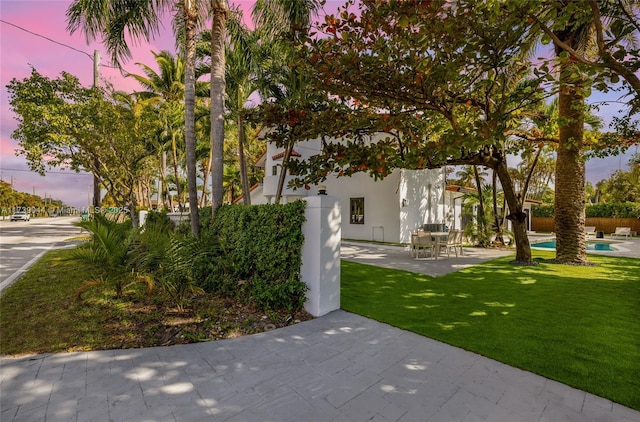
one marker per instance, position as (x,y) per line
(96,179)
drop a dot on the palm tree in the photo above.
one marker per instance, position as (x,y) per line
(241,77)
(141,20)
(167,87)
(220,11)
(284,22)
(471,173)
(578,36)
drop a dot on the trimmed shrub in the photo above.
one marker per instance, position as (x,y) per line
(260,253)
(625,210)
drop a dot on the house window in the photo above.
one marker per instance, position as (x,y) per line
(357,211)
(274,170)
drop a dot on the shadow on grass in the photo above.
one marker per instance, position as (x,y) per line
(574,324)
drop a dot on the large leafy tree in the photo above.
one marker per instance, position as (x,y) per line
(285,24)
(446,85)
(63,124)
(594,45)
(621,185)
(141,20)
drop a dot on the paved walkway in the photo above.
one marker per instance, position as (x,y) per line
(398,257)
(340,367)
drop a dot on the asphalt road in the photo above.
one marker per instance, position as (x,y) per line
(22,243)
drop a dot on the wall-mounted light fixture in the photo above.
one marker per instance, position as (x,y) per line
(322,190)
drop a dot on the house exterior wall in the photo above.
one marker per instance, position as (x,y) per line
(421,200)
(270,183)
(381,205)
(393,207)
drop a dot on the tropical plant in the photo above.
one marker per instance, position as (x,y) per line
(175,273)
(480,233)
(141,20)
(594,46)
(108,249)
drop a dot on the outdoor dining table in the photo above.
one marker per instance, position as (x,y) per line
(436,237)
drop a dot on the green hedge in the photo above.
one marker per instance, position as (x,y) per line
(261,253)
(542,211)
(626,210)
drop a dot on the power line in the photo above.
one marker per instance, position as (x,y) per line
(48,172)
(55,42)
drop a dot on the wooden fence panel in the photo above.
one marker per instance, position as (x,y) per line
(606,225)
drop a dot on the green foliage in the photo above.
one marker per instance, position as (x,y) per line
(108,250)
(544,210)
(624,210)
(176,273)
(151,244)
(288,294)
(262,253)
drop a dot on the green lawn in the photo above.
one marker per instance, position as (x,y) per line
(575,324)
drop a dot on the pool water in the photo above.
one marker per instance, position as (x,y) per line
(591,246)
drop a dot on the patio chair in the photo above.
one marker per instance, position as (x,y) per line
(453,241)
(589,230)
(459,240)
(622,231)
(422,242)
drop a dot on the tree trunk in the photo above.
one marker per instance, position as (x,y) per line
(571,246)
(205,175)
(496,217)
(244,177)
(219,8)
(283,172)
(96,189)
(165,194)
(174,151)
(133,197)
(190,21)
(482,220)
(516,215)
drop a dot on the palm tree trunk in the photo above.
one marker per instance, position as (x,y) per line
(174,150)
(190,19)
(571,246)
(205,174)
(244,177)
(166,194)
(219,8)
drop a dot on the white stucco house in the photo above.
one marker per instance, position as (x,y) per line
(384,210)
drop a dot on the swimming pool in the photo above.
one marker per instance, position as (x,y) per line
(592,245)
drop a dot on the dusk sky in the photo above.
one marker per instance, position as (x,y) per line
(20,50)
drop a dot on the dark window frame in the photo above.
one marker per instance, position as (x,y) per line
(356,210)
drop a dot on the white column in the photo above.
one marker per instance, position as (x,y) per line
(142,217)
(321,254)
